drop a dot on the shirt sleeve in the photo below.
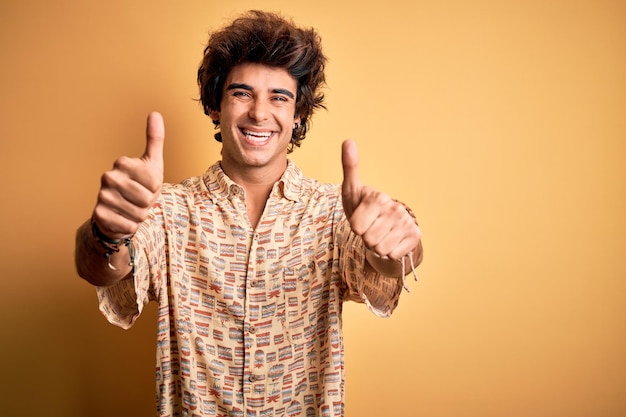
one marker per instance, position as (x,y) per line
(380,293)
(123,302)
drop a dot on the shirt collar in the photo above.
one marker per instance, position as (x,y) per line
(291,182)
(289,185)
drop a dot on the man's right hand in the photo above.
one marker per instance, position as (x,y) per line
(129,190)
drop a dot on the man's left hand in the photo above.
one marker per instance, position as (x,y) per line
(384,224)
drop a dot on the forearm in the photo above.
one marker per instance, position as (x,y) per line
(92,264)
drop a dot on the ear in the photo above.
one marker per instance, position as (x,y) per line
(214,115)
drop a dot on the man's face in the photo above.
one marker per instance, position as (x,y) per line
(256,120)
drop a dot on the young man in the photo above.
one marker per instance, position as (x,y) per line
(250,263)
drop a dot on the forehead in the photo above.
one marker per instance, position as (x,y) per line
(261,77)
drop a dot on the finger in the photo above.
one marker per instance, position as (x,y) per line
(112,201)
(141,171)
(373,206)
(113,224)
(405,246)
(136,186)
(155,138)
(391,232)
(351,186)
(395,244)
(350,162)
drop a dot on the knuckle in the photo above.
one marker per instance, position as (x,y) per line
(370,243)
(105,198)
(398,207)
(380,197)
(356,228)
(145,200)
(154,184)
(107,179)
(418,233)
(138,215)
(394,256)
(98,213)
(399,210)
(122,163)
(381,250)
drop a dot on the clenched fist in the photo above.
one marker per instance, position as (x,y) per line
(132,186)
(384,224)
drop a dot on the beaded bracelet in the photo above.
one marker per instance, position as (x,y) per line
(113,246)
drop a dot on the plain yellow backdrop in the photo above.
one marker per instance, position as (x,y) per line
(501,123)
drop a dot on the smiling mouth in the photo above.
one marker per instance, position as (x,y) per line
(256,137)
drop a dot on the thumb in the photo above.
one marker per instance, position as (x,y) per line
(351,186)
(155,137)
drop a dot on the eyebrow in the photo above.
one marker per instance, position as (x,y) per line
(247,87)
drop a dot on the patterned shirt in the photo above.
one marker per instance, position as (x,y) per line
(249,320)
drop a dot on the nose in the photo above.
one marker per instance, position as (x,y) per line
(259,110)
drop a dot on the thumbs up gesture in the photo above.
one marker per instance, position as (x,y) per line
(128,190)
(385,225)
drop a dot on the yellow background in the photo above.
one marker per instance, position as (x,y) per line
(502,123)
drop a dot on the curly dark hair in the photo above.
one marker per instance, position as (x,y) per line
(269,39)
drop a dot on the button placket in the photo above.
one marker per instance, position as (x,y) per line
(252,284)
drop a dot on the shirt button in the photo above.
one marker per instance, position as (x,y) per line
(253,378)
(252,328)
(253,283)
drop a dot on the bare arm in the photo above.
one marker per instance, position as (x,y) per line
(126,194)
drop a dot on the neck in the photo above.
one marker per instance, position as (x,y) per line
(253,179)
(258,184)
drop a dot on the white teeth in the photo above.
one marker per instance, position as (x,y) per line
(257,137)
(263,135)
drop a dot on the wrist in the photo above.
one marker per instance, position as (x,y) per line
(113,246)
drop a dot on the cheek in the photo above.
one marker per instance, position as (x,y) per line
(288,115)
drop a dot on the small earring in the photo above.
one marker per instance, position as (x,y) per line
(216,125)
(296,126)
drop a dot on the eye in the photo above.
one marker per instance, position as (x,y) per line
(280,99)
(241,93)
